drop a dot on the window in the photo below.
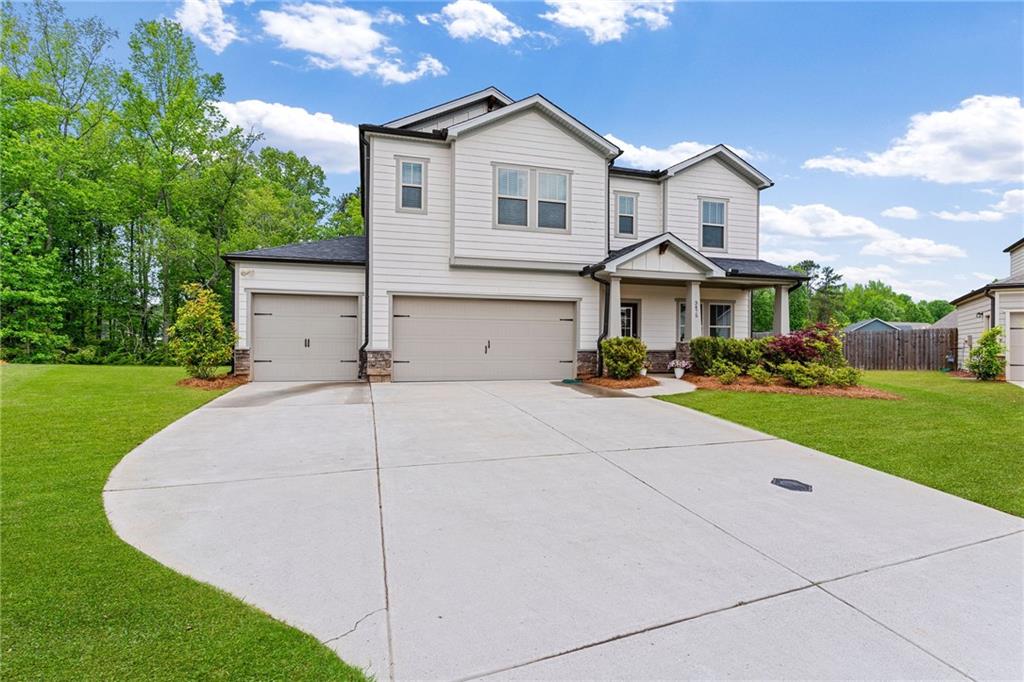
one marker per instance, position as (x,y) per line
(513,196)
(720,320)
(552,200)
(712,224)
(625,207)
(630,315)
(682,320)
(412,186)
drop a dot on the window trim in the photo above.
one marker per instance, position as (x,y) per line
(424,163)
(724,226)
(637,305)
(535,173)
(732,317)
(532,201)
(636,203)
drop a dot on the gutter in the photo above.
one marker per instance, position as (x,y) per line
(364,209)
(604,328)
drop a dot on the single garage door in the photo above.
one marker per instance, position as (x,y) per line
(442,339)
(304,338)
(1015,368)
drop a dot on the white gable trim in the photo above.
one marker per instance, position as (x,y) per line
(731,159)
(538,103)
(684,249)
(440,109)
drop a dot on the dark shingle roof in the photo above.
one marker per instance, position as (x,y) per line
(1014,245)
(1011,282)
(748,267)
(340,250)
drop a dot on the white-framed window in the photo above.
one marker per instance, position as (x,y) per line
(552,200)
(720,320)
(629,314)
(513,194)
(712,223)
(412,185)
(682,320)
(625,215)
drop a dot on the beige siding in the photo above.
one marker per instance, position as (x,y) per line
(970,326)
(712,179)
(654,261)
(659,319)
(648,222)
(410,251)
(289,278)
(450,118)
(529,139)
(1017,261)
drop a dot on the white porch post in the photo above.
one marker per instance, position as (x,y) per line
(781,318)
(614,308)
(693,325)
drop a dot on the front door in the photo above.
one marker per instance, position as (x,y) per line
(630,315)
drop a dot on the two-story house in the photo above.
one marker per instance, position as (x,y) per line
(998,303)
(502,242)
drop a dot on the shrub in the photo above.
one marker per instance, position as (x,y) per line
(726,372)
(760,375)
(744,353)
(624,356)
(86,355)
(199,339)
(818,343)
(986,361)
(798,374)
(845,377)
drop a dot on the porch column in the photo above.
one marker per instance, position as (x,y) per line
(614,308)
(781,318)
(693,325)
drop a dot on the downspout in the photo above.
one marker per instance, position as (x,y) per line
(365,211)
(604,327)
(992,313)
(231,267)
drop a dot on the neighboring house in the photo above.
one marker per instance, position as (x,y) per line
(503,243)
(999,303)
(947,321)
(877,325)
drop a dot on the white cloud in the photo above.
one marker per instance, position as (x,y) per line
(901,213)
(469,19)
(984,276)
(819,221)
(969,216)
(1012,202)
(654,158)
(912,250)
(205,19)
(336,36)
(918,289)
(386,16)
(792,256)
(862,275)
(982,140)
(607,20)
(332,144)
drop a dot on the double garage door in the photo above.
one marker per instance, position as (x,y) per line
(458,339)
(305,338)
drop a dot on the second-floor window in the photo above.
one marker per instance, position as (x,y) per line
(552,200)
(712,224)
(412,185)
(626,215)
(513,197)
(531,198)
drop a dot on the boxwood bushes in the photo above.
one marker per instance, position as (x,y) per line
(806,358)
(624,356)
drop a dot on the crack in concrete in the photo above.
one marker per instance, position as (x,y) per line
(353,628)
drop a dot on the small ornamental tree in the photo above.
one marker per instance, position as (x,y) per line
(624,356)
(199,339)
(986,359)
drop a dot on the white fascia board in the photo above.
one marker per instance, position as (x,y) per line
(433,112)
(734,160)
(537,102)
(685,249)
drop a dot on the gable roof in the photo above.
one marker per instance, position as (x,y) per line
(457,103)
(337,251)
(1011,282)
(617,258)
(719,151)
(950,319)
(551,110)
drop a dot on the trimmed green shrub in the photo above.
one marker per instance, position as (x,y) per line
(199,339)
(845,377)
(798,374)
(760,375)
(624,356)
(726,372)
(986,358)
(744,353)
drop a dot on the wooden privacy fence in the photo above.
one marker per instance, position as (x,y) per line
(905,349)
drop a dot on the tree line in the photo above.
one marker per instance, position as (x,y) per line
(123,182)
(825,297)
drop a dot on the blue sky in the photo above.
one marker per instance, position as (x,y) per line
(894,131)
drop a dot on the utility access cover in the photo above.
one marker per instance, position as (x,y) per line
(792,484)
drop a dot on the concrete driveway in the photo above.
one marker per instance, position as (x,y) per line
(527,530)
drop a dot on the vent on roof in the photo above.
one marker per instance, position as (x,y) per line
(792,484)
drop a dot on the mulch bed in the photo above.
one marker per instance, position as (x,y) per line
(608,382)
(747,385)
(216,383)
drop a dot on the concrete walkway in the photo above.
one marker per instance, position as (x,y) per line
(527,530)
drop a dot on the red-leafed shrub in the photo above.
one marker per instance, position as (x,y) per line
(818,343)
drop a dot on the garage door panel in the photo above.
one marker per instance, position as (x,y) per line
(1015,342)
(482,339)
(283,322)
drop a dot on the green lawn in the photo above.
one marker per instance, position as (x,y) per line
(77,603)
(961,436)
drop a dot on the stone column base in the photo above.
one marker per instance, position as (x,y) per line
(659,360)
(683,350)
(242,362)
(378,366)
(586,363)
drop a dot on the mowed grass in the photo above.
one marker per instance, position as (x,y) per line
(77,602)
(962,436)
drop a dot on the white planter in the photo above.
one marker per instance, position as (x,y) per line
(643,372)
(678,371)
